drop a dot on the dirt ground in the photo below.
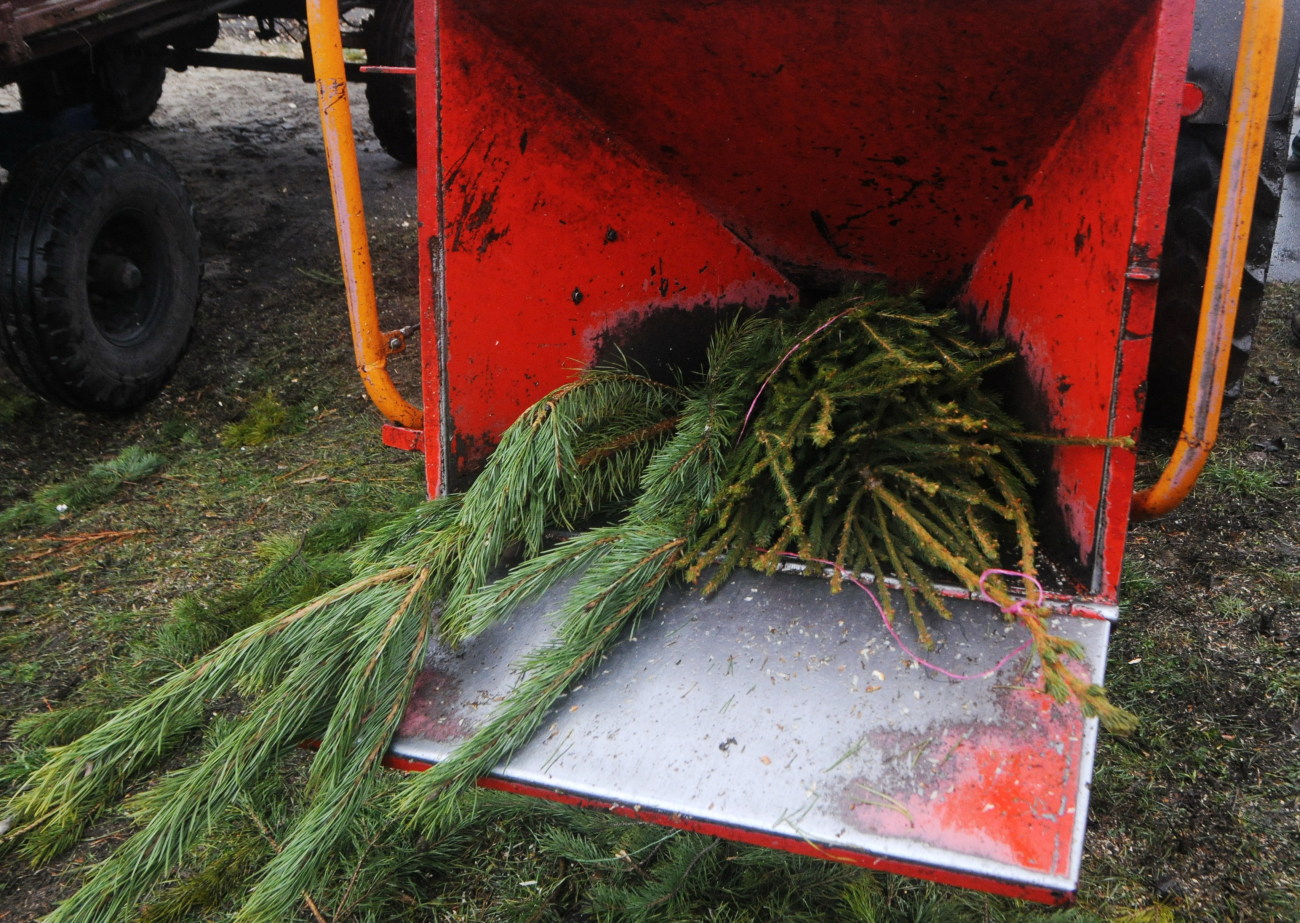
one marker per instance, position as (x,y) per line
(248,146)
(1210,602)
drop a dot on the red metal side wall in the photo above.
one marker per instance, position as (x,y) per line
(1070,278)
(599,174)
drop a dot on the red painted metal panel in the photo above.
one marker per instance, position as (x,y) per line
(987,790)
(557,242)
(598,175)
(595,172)
(769,840)
(836,138)
(1057,280)
(402,437)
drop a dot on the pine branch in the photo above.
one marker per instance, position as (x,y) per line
(627,568)
(622,585)
(871,442)
(81,778)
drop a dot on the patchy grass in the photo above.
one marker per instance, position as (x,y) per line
(1237,481)
(1197,816)
(1140,577)
(56,502)
(16,404)
(266,419)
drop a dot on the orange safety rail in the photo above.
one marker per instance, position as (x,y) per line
(1261,31)
(371,345)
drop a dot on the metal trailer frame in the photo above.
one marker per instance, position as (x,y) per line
(41,34)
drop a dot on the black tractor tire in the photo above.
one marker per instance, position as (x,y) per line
(99,271)
(1183,262)
(128,84)
(390,41)
(122,84)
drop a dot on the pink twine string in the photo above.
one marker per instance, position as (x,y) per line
(1012,609)
(784,359)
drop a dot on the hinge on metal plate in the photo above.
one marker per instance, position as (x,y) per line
(1143,272)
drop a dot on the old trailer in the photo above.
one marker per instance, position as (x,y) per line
(99,255)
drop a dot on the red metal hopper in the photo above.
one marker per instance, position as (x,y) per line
(599,175)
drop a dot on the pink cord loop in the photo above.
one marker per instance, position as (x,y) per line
(1017,607)
(1012,609)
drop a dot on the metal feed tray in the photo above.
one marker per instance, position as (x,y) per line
(779,714)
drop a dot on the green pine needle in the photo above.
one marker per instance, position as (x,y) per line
(871,443)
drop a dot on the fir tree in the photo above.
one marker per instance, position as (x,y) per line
(871,444)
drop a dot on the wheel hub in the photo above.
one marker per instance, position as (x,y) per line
(115,275)
(123,259)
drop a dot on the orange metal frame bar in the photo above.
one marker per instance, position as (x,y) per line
(1261,31)
(371,345)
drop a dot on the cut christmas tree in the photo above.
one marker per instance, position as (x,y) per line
(858,438)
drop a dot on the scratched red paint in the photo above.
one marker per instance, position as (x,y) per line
(567,191)
(552,227)
(998,792)
(434,709)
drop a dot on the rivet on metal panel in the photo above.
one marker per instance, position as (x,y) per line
(1193,99)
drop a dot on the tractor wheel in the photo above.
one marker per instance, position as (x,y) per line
(122,85)
(1183,263)
(99,271)
(128,83)
(390,40)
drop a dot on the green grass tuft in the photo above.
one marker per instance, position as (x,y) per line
(16,405)
(1139,579)
(1230,477)
(267,419)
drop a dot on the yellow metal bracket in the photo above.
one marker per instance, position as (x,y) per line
(1261,31)
(370,345)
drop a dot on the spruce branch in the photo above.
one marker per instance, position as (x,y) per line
(871,441)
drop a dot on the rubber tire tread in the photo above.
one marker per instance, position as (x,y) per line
(1183,262)
(390,40)
(55,203)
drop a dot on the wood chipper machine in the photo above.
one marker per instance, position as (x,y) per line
(600,177)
